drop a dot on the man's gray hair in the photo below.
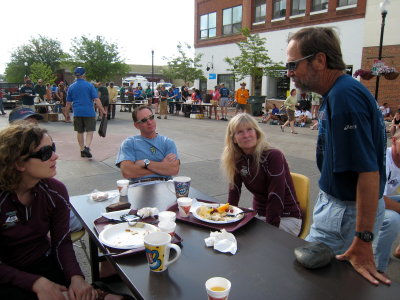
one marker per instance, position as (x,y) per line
(313,40)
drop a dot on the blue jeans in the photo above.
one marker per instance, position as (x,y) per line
(387,235)
(74,223)
(335,222)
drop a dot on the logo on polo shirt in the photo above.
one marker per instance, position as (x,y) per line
(11,220)
(349,127)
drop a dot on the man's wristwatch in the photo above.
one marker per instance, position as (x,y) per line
(146,163)
(365,236)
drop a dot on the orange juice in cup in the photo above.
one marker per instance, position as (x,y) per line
(218,288)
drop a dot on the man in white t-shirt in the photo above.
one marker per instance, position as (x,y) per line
(391,224)
(305,117)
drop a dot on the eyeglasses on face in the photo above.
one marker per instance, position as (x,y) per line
(144,120)
(44,153)
(292,65)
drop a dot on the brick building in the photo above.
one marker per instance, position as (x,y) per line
(217,26)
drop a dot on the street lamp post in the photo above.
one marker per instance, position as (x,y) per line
(26,69)
(152,70)
(384,9)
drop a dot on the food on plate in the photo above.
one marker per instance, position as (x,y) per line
(216,213)
(223,208)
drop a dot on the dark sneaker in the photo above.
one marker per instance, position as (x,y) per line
(86,152)
(159,117)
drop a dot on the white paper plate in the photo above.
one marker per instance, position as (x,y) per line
(236,210)
(123,236)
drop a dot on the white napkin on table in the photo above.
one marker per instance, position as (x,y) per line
(222,241)
(147,212)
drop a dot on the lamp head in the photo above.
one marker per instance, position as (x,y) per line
(384,6)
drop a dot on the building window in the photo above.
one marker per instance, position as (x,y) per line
(260,9)
(232,20)
(208,26)
(346,2)
(298,7)
(279,9)
(319,5)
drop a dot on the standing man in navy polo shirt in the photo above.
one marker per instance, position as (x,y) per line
(82,94)
(350,152)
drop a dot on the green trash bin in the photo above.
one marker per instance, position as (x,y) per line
(256,105)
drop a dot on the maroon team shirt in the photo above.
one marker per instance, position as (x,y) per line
(24,233)
(272,187)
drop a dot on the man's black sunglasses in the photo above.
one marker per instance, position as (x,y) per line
(292,65)
(144,120)
(44,153)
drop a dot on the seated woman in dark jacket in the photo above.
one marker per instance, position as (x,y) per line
(32,205)
(248,159)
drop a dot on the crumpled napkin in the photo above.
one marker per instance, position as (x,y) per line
(146,212)
(222,241)
(98,196)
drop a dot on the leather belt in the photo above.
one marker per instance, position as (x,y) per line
(149,179)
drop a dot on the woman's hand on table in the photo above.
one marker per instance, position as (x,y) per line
(80,289)
(48,290)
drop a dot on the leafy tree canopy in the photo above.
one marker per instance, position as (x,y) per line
(40,50)
(183,66)
(100,58)
(42,71)
(253,60)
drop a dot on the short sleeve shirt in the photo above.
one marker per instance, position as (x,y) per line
(138,147)
(27,100)
(351,138)
(224,92)
(82,93)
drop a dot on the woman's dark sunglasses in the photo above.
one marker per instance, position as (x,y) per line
(144,120)
(44,153)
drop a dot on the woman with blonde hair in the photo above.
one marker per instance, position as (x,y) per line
(248,159)
(33,205)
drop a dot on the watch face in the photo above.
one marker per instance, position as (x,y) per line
(366,236)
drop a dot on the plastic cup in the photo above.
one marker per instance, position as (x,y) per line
(123,185)
(167,226)
(218,288)
(167,216)
(184,205)
(182,186)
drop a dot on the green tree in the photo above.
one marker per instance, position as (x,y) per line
(42,71)
(15,72)
(183,66)
(41,50)
(253,60)
(100,59)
